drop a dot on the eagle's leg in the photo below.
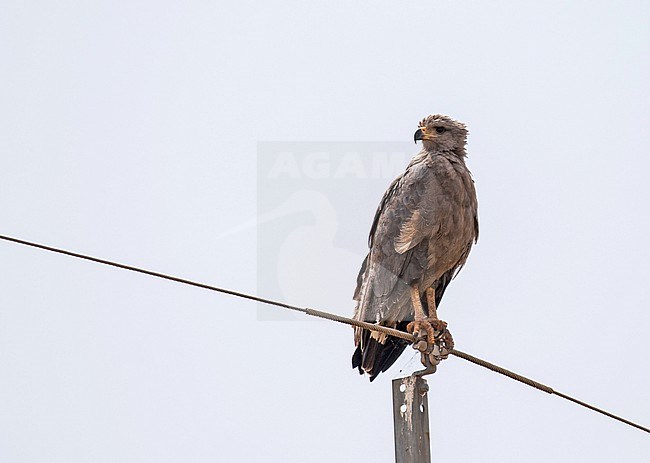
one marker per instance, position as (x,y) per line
(420,326)
(435,341)
(431,303)
(446,340)
(437,324)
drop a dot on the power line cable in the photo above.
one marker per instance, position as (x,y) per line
(333,317)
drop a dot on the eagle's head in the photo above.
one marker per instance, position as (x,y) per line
(442,133)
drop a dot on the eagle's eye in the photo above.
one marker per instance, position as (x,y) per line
(440,129)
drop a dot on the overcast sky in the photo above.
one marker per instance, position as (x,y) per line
(136,131)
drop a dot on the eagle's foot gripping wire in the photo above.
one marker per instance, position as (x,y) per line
(434,343)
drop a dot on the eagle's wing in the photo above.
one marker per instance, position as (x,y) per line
(408,213)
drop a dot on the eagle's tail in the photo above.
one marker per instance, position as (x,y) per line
(376,357)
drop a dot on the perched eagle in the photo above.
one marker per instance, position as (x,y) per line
(423,231)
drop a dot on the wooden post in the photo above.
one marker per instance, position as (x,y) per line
(411,420)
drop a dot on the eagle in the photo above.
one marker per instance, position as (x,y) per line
(420,238)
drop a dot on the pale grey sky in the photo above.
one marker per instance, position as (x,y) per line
(130,130)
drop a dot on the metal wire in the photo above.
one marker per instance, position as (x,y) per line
(333,317)
(154,274)
(502,371)
(542,387)
(365,325)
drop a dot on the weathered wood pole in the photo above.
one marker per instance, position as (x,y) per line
(411,420)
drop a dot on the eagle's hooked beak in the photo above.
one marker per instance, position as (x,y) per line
(418,135)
